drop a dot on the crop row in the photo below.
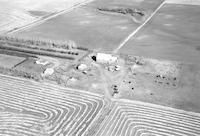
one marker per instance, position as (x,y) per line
(31,108)
(129,118)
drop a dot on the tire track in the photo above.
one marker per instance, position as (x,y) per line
(138,29)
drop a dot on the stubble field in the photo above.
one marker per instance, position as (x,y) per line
(19,13)
(91,28)
(32,109)
(173,34)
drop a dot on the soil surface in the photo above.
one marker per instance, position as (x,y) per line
(20,13)
(90,28)
(86,27)
(173,34)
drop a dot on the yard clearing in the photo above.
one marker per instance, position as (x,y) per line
(7,61)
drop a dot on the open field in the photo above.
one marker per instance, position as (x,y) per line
(13,18)
(30,108)
(144,4)
(19,13)
(7,61)
(173,34)
(43,6)
(91,28)
(86,27)
(186,2)
(132,118)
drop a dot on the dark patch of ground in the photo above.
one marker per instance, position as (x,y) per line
(132,12)
(137,15)
(38,13)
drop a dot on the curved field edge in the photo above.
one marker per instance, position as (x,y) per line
(28,87)
(129,117)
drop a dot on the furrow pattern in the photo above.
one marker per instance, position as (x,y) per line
(29,108)
(132,118)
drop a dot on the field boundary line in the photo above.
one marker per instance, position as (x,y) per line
(40,21)
(138,29)
(172,109)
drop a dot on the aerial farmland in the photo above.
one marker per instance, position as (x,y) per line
(99,68)
(92,27)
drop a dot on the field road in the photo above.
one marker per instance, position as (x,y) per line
(40,21)
(131,35)
(29,108)
(132,118)
(138,29)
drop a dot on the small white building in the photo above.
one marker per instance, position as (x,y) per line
(48,72)
(105,58)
